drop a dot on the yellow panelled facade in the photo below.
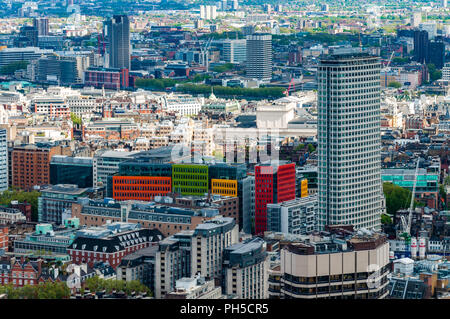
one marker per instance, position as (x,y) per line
(224,187)
(304,192)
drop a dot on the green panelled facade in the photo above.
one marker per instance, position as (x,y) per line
(190,179)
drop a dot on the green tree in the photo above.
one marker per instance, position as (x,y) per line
(311,148)
(385,219)
(435,74)
(30,197)
(395,84)
(299,147)
(223,68)
(75,119)
(10,68)
(397,198)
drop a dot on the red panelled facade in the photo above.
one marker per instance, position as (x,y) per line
(140,187)
(272,185)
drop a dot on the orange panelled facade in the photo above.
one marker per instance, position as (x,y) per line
(140,187)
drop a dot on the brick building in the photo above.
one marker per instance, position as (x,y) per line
(111,243)
(30,164)
(4,231)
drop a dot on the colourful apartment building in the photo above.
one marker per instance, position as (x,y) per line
(273,184)
(190,179)
(224,187)
(140,187)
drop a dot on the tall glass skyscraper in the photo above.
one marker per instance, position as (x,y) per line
(117,33)
(3,161)
(350,190)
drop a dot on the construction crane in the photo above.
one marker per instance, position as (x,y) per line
(406,225)
(204,52)
(204,49)
(386,68)
(291,84)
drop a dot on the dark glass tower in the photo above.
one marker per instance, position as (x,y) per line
(117,36)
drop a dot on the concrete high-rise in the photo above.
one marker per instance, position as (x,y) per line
(117,34)
(350,190)
(259,56)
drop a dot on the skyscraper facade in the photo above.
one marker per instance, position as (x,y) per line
(259,56)
(349,141)
(117,33)
(41,25)
(420,45)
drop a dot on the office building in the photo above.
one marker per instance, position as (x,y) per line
(234,51)
(71,170)
(345,266)
(245,270)
(259,57)
(28,37)
(55,200)
(430,28)
(208,243)
(111,243)
(56,69)
(420,45)
(296,216)
(167,219)
(106,163)
(173,262)
(190,179)
(3,160)
(30,164)
(107,78)
(436,53)
(117,34)
(139,266)
(416,19)
(27,54)
(446,72)
(46,240)
(208,12)
(41,25)
(350,189)
(195,288)
(9,216)
(273,184)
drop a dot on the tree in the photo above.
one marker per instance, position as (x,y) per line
(30,197)
(397,198)
(311,148)
(395,84)
(299,147)
(96,284)
(434,73)
(75,119)
(386,219)
(10,68)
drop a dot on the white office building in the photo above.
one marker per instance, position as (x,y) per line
(235,51)
(349,177)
